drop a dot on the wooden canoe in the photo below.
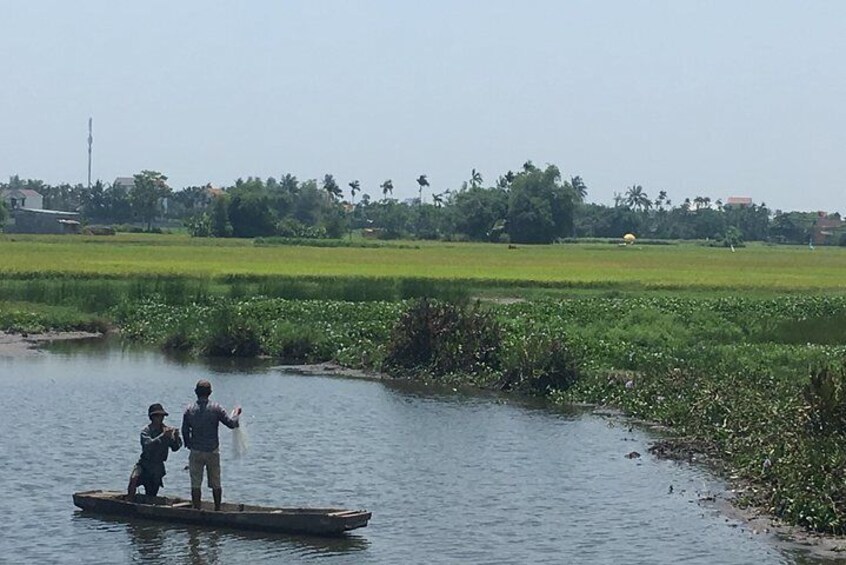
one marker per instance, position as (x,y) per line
(312,521)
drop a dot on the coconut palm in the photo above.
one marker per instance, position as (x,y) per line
(475,178)
(700,202)
(505,180)
(331,187)
(661,200)
(387,188)
(289,183)
(579,186)
(438,199)
(637,199)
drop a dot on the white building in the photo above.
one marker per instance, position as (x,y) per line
(17,198)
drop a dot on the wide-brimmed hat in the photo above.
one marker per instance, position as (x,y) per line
(156,409)
(203,387)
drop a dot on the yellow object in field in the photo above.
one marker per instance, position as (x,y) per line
(629,238)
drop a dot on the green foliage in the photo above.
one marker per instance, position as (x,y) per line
(335,224)
(825,395)
(541,366)
(232,334)
(289,228)
(219,225)
(27,317)
(478,210)
(250,214)
(294,343)
(198,226)
(540,208)
(147,194)
(733,237)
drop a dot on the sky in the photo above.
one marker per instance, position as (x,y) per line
(711,98)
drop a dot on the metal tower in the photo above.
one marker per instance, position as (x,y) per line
(90,142)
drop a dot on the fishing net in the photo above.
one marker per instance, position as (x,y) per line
(240,439)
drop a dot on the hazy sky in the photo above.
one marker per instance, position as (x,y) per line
(693,97)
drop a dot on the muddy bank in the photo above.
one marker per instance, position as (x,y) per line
(20,345)
(332,370)
(754,519)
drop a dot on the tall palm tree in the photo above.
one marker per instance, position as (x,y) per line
(661,200)
(475,179)
(387,188)
(505,180)
(438,199)
(331,187)
(700,202)
(421,182)
(355,187)
(579,186)
(637,199)
(289,183)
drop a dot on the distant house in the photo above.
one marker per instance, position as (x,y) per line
(738,201)
(127,183)
(22,198)
(824,228)
(28,220)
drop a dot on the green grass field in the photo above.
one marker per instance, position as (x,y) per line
(684,266)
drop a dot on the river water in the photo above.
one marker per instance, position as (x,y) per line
(449,477)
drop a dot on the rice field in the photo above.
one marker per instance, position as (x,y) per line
(593,265)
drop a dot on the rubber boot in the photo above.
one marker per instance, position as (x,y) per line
(196,496)
(217,493)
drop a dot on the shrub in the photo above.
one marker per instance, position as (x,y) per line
(438,339)
(294,343)
(231,335)
(539,366)
(825,394)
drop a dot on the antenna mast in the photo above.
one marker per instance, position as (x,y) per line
(90,142)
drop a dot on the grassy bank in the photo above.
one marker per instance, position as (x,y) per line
(28,317)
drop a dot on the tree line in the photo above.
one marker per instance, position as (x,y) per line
(531,205)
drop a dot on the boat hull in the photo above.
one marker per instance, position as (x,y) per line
(312,521)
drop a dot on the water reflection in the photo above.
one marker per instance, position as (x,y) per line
(107,346)
(158,542)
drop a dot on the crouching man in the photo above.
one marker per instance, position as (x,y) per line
(156,441)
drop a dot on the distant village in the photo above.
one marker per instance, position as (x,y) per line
(532,206)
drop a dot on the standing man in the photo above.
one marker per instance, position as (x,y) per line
(156,439)
(199,428)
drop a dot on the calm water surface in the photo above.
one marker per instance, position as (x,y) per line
(450,478)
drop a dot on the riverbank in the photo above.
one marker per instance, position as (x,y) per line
(23,345)
(331,370)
